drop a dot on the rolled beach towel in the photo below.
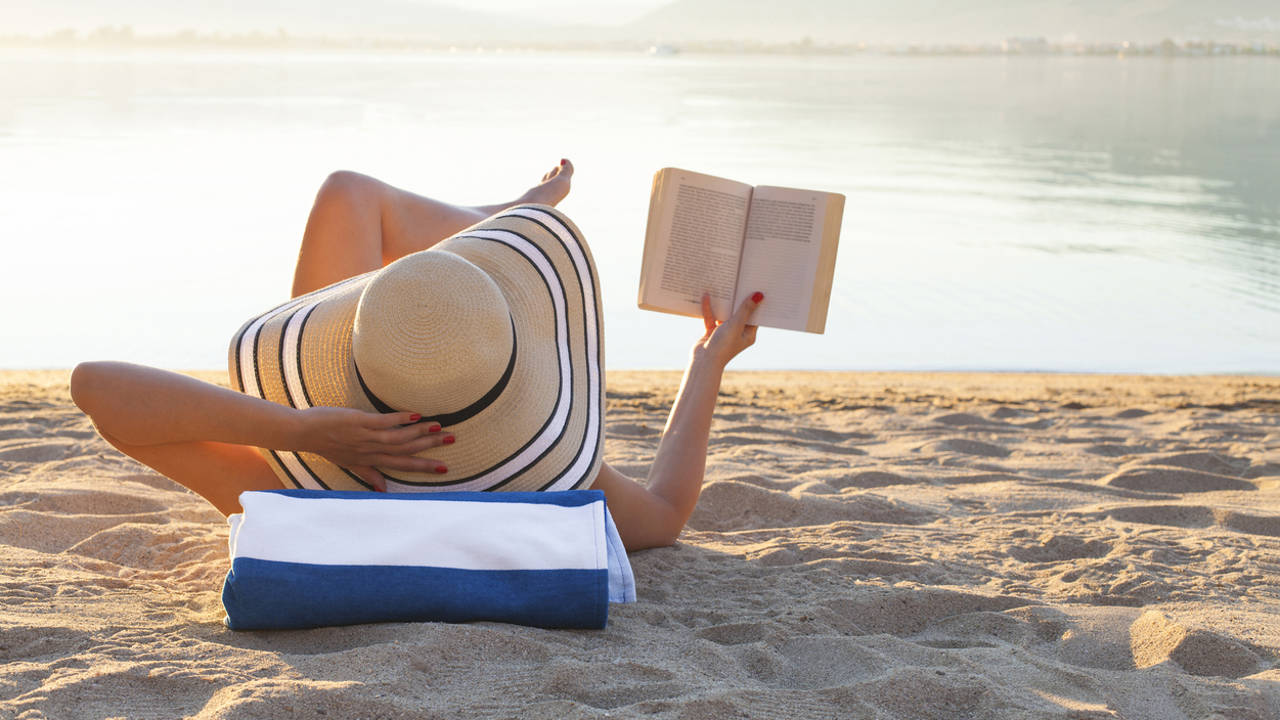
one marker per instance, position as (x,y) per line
(311,558)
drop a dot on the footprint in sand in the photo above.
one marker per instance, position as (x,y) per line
(971,420)
(1262,470)
(868,479)
(41,451)
(1156,638)
(72,502)
(1057,547)
(983,478)
(632,430)
(627,683)
(727,505)
(27,642)
(1197,516)
(1004,411)
(1109,450)
(732,633)
(820,662)
(813,487)
(140,545)
(1183,516)
(1174,480)
(1209,462)
(908,610)
(1249,524)
(968,447)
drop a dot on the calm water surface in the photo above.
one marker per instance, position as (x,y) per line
(1024,213)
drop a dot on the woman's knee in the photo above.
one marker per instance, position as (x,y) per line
(86,378)
(347,188)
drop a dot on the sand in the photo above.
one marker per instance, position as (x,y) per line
(866,546)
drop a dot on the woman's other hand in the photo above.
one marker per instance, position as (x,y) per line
(360,441)
(724,340)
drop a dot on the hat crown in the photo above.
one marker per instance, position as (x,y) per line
(432,334)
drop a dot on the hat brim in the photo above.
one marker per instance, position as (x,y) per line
(543,431)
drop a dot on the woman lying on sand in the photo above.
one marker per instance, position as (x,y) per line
(310,431)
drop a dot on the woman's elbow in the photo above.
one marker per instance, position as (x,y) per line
(648,543)
(667,536)
(662,533)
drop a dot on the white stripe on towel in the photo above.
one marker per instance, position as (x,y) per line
(483,535)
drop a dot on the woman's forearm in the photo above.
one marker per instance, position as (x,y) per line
(654,515)
(681,459)
(675,479)
(144,406)
(147,406)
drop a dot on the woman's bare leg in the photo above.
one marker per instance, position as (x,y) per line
(358,224)
(216,471)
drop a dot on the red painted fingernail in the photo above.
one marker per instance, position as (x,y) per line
(442,470)
(433,427)
(757,297)
(563,161)
(415,417)
(449,440)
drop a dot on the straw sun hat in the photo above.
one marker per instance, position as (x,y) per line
(495,333)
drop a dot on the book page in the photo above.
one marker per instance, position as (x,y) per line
(693,243)
(781,253)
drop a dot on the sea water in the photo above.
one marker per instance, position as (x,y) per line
(1019,213)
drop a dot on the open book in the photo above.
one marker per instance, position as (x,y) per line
(728,239)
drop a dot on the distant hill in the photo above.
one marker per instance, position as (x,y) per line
(363,18)
(876,22)
(959,21)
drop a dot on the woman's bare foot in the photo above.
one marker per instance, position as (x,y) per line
(550,191)
(554,185)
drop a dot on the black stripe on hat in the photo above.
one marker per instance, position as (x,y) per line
(284,331)
(374,400)
(236,380)
(258,378)
(590,277)
(306,394)
(465,413)
(302,381)
(237,343)
(494,393)
(595,451)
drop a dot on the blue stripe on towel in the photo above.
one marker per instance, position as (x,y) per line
(304,596)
